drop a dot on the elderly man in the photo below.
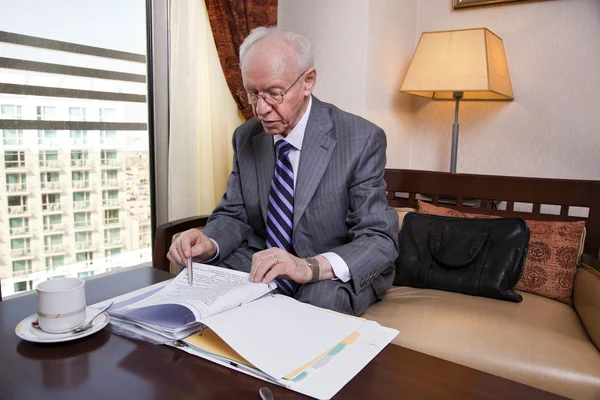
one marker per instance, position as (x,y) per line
(305,205)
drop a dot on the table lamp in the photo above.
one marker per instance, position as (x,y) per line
(467,64)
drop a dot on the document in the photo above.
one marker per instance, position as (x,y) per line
(178,309)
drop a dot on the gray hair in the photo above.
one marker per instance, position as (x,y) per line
(305,55)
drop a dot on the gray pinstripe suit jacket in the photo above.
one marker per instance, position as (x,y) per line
(339,204)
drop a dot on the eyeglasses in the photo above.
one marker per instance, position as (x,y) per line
(269,98)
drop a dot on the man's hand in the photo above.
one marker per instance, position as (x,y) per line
(191,243)
(278,263)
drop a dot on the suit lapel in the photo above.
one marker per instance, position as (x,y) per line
(264,151)
(317,148)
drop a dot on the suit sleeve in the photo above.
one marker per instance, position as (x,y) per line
(373,225)
(228,224)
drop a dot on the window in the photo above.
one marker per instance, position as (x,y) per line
(17,205)
(12,137)
(49,159)
(52,223)
(20,247)
(46,112)
(111,217)
(112,237)
(82,219)
(77,114)
(108,157)
(112,252)
(107,114)
(21,267)
(50,144)
(78,138)
(16,182)
(108,137)
(18,226)
(110,198)
(49,180)
(9,111)
(82,275)
(55,261)
(79,158)
(84,256)
(22,286)
(53,244)
(47,138)
(51,202)
(81,179)
(109,177)
(83,240)
(14,159)
(81,200)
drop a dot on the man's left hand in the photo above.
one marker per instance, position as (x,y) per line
(275,262)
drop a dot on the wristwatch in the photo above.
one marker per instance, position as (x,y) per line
(313,264)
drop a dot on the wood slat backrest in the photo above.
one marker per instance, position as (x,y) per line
(405,187)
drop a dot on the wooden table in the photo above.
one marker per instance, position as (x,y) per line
(108,366)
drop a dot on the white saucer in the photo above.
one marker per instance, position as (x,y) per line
(26,331)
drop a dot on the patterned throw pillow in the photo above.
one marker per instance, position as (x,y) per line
(554,249)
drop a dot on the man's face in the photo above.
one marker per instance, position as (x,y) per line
(270,66)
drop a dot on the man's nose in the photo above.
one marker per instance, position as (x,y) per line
(262,107)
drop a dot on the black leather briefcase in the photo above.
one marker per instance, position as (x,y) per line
(479,257)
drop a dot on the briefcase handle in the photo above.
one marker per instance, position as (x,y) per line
(477,244)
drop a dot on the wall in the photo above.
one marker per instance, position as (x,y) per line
(549,130)
(361,55)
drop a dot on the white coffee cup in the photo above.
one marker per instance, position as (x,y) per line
(60,304)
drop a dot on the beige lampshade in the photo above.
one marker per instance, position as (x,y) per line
(471,61)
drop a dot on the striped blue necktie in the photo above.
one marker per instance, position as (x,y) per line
(280,212)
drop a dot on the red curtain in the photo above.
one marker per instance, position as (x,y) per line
(230,22)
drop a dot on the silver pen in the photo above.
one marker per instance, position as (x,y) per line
(190,271)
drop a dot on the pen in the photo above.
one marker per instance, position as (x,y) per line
(190,271)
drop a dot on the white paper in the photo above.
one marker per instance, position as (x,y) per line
(278,334)
(214,290)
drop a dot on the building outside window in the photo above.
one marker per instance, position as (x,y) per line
(75,198)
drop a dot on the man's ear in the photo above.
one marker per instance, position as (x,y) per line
(310,79)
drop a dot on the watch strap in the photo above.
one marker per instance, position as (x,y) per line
(313,264)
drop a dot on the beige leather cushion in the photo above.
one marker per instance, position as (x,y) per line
(539,342)
(402,211)
(586,299)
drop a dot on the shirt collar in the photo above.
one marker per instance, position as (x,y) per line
(296,136)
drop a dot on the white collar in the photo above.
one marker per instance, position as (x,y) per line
(296,136)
